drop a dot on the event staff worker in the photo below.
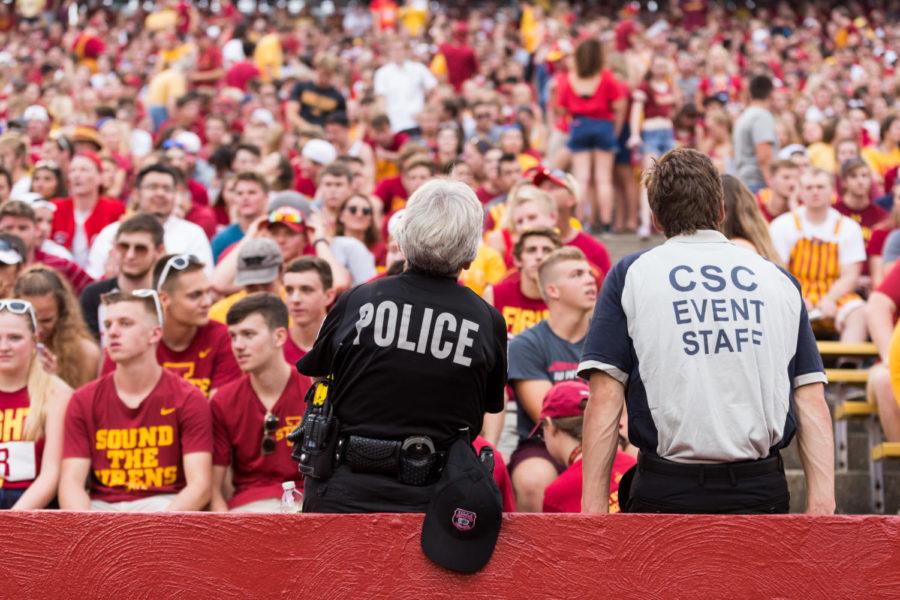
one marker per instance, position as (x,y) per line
(253,415)
(711,347)
(412,355)
(140,437)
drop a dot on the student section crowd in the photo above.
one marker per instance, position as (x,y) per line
(192,189)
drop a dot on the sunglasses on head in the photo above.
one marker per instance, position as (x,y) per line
(20,307)
(270,424)
(365,210)
(179,262)
(148,293)
(286,215)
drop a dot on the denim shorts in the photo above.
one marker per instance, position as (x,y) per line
(623,155)
(592,134)
(657,141)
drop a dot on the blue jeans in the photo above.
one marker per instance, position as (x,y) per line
(657,141)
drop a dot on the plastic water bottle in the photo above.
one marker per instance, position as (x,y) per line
(291,499)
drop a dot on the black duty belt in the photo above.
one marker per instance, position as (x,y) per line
(731,471)
(413,461)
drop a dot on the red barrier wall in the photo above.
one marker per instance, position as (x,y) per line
(81,555)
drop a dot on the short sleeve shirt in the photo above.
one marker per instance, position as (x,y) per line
(137,452)
(755,126)
(709,340)
(848,235)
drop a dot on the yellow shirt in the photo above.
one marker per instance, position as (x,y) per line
(894,363)
(269,57)
(487,269)
(414,19)
(165,87)
(527,161)
(881,162)
(219,310)
(168,57)
(821,156)
(528,29)
(164,19)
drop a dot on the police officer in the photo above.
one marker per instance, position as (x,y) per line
(416,361)
(710,346)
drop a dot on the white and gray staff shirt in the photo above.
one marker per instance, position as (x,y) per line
(710,340)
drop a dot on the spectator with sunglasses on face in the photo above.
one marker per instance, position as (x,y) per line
(138,244)
(356,219)
(192,345)
(141,436)
(253,414)
(33,402)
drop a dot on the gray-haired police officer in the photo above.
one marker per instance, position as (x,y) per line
(711,347)
(413,359)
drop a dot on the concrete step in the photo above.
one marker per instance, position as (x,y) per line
(619,245)
(851,492)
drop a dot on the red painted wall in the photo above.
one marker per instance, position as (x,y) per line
(123,556)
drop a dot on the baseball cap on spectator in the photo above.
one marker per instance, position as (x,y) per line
(8,254)
(93,157)
(259,262)
(292,199)
(557,176)
(35,200)
(262,116)
(463,520)
(319,151)
(290,217)
(188,141)
(565,399)
(36,112)
(790,150)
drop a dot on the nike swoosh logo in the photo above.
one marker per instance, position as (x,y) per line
(204,353)
(166,411)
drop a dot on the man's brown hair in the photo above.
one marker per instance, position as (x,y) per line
(544,232)
(312,263)
(849,168)
(18,209)
(255,178)
(778,165)
(685,192)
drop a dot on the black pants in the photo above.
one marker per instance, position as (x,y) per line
(657,488)
(349,492)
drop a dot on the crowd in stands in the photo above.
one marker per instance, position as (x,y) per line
(185,188)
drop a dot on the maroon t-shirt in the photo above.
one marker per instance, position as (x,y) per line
(564,494)
(137,452)
(240,74)
(20,459)
(207,362)
(519,311)
(867,218)
(461,63)
(392,193)
(890,287)
(292,352)
(594,251)
(238,417)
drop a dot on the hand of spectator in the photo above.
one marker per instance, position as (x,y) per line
(253,230)
(634,141)
(316,223)
(827,307)
(48,359)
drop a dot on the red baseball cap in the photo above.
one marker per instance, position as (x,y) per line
(565,399)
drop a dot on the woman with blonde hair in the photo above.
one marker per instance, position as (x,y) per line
(527,207)
(34,405)
(744,224)
(66,347)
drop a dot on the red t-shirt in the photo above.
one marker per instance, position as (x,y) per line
(240,74)
(875,247)
(392,193)
(890,287)
(137,452)
(292,352)
(564,494)
(867,218)
(501,475)
(461,63)
(594,251)
(20,459)
(238,417)
(519,311)
(657,104)
(207,362)
(598,105)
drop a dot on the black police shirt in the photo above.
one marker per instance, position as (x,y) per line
(411,355)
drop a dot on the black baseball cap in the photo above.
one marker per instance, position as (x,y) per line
(463,521)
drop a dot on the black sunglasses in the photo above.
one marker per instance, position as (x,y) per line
(270,424)
(366,211)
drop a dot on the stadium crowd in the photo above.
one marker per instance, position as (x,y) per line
(185,189)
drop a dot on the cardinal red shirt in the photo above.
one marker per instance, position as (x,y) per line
(238,417)
(392,193)
(890,287)
(519,311)
(292,352)
(20,459)
(867,218)
(137,452)
(594,251)
(501,475)
(207,362)
(564,494)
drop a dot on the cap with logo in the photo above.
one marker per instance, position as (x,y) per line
(463,520)
(259,262)
(565,399)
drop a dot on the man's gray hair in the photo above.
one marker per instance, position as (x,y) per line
(442,227)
